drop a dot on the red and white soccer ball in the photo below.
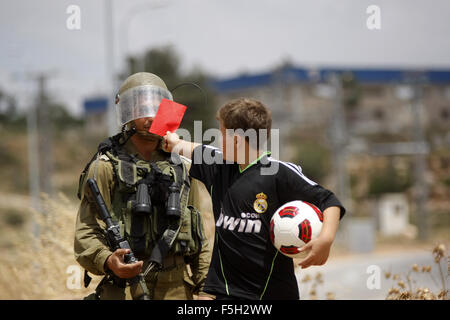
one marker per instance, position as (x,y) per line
(293,225)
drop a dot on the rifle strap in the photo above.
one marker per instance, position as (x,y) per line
(86,279)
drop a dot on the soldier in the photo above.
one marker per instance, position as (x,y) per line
(122,162)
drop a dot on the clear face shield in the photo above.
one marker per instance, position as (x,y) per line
(140,102)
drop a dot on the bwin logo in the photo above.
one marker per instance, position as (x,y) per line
(245,225)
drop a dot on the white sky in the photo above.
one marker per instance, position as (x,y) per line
(224,37)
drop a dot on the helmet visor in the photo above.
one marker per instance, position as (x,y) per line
(140,102)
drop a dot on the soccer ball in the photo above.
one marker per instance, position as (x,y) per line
(293,225)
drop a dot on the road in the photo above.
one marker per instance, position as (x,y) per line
(354,278)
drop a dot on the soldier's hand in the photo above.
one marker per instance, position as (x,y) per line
(117,265)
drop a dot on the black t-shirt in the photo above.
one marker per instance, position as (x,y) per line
(245,264)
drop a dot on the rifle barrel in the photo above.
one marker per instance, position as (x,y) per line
(100,202)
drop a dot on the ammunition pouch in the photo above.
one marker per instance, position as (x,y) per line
(157,233)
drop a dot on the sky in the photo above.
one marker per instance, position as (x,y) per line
(224,37)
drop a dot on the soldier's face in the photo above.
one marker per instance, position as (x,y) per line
(142,126)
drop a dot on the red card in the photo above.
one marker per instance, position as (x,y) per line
(168,117)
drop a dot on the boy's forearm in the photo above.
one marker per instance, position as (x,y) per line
(185,148)
(330,225)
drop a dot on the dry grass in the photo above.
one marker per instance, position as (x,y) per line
(36,266)
(313,286)
(405,287)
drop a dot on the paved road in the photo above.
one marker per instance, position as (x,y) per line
(347,278)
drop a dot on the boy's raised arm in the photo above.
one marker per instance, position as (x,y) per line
(173,143)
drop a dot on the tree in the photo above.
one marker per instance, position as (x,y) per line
(166,63)
(351,90)
(9,115)
(61,118)
(314,160)
(388,180)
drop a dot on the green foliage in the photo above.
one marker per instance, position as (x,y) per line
(8,157)
(446,182)
(9,115)
(13,218)
(314,160)
(14,120)
(61,119)
(351,90)
(200,102)
(388,180)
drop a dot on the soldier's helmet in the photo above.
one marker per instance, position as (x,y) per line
(139,97)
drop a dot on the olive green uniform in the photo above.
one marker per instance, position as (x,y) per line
(175,280)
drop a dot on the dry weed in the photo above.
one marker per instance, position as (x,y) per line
(315,283)
(404,288)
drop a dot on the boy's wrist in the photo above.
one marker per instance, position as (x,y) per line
(326,238)
(177,146)
(184,148)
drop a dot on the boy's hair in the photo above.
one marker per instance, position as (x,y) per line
(245,114)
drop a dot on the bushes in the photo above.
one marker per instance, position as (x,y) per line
(388,180)
(314,160)
(13,218)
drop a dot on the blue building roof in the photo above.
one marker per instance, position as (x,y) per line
(292,74)
(95,105)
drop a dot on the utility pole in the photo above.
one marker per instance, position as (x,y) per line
(45,136)
(40,160)
(33,158)
(339,138)
(110,71)
(39,129)
(419,150)
(421,188)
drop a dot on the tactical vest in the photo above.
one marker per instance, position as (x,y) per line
(157,233)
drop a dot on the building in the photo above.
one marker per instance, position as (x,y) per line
(95,111)
(303,99)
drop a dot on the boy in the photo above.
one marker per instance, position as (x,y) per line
(245,264)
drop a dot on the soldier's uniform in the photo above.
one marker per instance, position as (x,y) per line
(174,281)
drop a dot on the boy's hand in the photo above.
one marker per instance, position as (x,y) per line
(172,143)
(171,139)
(319,250)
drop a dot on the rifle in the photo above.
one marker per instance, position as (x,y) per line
(138,286)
